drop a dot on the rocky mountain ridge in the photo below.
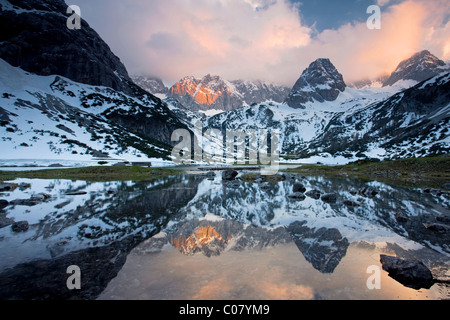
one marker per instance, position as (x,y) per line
(214,93)
(319,82)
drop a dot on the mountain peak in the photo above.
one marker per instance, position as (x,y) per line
(320,82)
(37,41)
(419,67)
(212,92)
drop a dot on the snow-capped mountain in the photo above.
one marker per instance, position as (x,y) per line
(151,84)
(209,93)
(64,94)
(38,41)
(319,82)
(338,126)
(411,123)
(259,91)
(52,117)
(421,66)
(214,93)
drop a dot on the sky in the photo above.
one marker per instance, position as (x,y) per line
(269,40)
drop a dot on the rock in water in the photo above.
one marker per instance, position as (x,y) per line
(229,174)
(329,197)
(315,194)
(3,204)
(297,196)
(413,274)
(20,226)
(298,187)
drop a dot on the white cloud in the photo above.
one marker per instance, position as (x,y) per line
(262,39)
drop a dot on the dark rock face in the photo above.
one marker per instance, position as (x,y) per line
(324,248)
(258,92)
(151,84)
(37,40)
(413,274)
(319,82)
(421,66)
(213,92)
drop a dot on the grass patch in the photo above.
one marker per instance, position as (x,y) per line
(251,177)
(93,174)
(431,172)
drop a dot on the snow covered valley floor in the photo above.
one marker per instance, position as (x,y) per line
(196,236)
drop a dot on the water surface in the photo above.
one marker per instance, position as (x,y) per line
(194,237)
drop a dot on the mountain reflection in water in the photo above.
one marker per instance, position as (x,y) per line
(186,219)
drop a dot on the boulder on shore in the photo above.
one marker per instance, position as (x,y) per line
(412,274)
(229,174)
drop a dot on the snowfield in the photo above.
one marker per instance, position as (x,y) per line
(51,117)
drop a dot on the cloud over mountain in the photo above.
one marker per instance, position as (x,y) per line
(261,39)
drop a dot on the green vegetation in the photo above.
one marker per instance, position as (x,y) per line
(95,174)
(251,177)
(430,172)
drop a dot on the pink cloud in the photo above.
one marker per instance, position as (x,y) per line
(262,39)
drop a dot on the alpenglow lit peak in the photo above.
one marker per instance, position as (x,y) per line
(421,66)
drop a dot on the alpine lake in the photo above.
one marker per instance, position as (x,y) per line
(191,234)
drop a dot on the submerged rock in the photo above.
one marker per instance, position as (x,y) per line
(413,274)
(20,226)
